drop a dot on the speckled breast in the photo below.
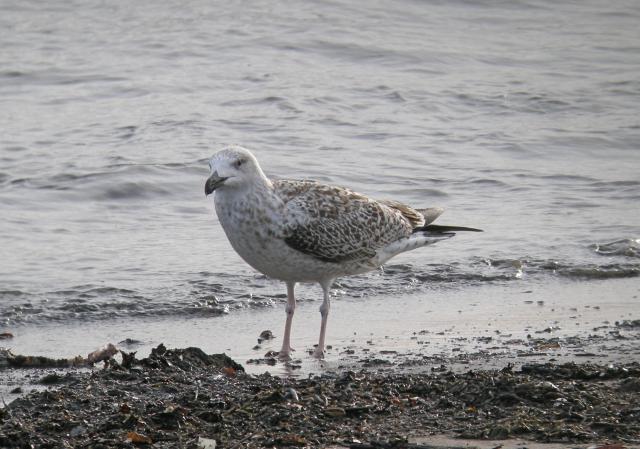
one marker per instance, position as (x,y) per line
(258,239)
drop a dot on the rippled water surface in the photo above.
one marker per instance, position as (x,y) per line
(519,117)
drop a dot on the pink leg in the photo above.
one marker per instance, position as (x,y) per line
(324,312)
(285,352)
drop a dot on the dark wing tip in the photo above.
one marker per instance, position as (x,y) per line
(462,228)
(441,229)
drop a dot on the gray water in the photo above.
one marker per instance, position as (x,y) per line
(518,117)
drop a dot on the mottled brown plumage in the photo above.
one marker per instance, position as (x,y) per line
(334,224)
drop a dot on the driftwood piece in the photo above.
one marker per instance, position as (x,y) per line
(10,360)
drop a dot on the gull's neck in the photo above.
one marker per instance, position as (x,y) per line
(260,186)
(262,183)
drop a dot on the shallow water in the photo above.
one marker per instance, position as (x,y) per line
(521,118)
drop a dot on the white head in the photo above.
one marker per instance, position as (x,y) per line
(234,168)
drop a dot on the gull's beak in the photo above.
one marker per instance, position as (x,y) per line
(213,183)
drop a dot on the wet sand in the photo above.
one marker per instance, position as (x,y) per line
(478,327)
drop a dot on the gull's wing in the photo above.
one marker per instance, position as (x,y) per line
(334,224)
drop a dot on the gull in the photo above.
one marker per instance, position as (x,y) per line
(306,231)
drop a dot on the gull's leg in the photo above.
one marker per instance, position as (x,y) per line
(324,312)
(289,309)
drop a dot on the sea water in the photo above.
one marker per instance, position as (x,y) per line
(521,118)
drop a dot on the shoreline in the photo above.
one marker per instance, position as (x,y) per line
(487,326)
(482,364)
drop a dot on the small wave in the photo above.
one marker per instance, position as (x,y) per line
(213,294)
(80,308)
(568,178)
(601,272)
(624,247)
(110,303)
(333,122)
(487,181)
(57,78)
(11,293)
(418,192)
(622,183)
(130,190)
(525,102)
(12,74)
(395,97)
(361,53)
(120,181)
(280,102)
(126,132)
(532,268)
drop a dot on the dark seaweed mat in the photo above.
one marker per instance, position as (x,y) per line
(173,397)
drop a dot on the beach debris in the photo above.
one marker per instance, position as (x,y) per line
(271,397)
(51,379)
(265,335)
(548,330)
(271,361)
(128,359)
(130,342)
(321,399)
(171,418)
(206,443)
(630,385)
(290,440)
(229,371)
(77,431)
(628,324)
(335,412)
(6,335)
(104,353)
(609,446)
(10,360)
(181,397)
(138,438)
(546,345)
(292,395)
(188,359)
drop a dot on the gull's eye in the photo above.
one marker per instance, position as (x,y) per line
(239,162)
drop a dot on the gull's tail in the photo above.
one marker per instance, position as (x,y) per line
(422,236)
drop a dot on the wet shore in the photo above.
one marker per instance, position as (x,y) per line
(494,366)
(375,399)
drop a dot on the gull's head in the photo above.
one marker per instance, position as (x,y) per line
(233,167)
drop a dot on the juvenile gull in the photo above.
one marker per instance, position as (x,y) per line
(304,231)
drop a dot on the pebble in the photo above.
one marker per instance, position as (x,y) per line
(265,335)
(335,412)
(206,443)
(292,394)
(77,431)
